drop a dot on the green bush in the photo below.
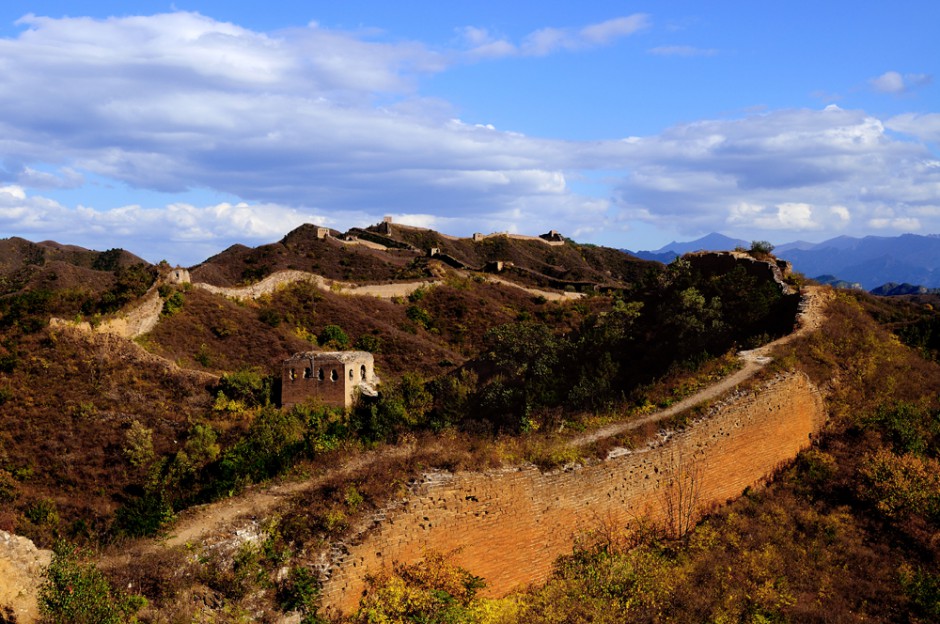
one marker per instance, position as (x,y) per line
(300,591)
(43,513)
(923,589)
(761,247)
(372,344)
(334,337)
(76,592)
(172,304)
(249,387)
(419,316)
(144,515)
(270,316)
(906,426)
(431,590)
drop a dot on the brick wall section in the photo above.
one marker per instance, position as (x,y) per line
(510,525)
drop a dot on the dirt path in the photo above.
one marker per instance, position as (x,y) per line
(197,522)
(810,318)
(551,295)
(226,518)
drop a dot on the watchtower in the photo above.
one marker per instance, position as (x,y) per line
(334,378)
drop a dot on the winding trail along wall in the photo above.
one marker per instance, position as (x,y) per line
(143,317)
(282,278)
(383,291)
(510,525)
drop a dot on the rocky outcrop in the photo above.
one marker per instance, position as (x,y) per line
(21,569)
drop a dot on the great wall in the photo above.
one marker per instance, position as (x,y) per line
(509,525)
(144,316)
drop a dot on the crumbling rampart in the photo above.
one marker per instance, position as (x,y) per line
(509,526)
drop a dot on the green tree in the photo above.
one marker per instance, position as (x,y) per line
(139,449)
(334,337)
(761,248)
(526,358)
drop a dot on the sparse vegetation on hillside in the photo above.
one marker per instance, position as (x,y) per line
(100,442)
(847,532)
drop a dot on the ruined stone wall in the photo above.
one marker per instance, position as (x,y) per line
(328,391)
(510,525)
(723,262)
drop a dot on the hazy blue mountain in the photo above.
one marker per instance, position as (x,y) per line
(835,282)
(709,242)
(872,260)
(802,245)
(891,289)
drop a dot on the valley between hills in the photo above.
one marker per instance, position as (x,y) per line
(562,433)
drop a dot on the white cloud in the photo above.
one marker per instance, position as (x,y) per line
(329,126)
(901,224)
(841,213)
(544,41)
(888,82)
(605,32)
(67,178)
(790,216)
(925,127)
(11,194)
(155,232)
(894,82)
(785,172)
(483,45)
(682,50)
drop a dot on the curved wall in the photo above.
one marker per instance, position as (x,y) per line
(509,526)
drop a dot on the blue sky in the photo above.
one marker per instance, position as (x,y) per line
(180,128)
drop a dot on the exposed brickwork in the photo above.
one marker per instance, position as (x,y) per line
(510,525)
(334,378)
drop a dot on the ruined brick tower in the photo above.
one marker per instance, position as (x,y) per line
(334,378)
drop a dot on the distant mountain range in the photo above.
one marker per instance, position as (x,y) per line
(871,261)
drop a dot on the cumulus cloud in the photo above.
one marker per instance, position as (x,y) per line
(313,124)
(786,216)
(925,127)
(156,232)
(841,213)
(785,171)
(895,82)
